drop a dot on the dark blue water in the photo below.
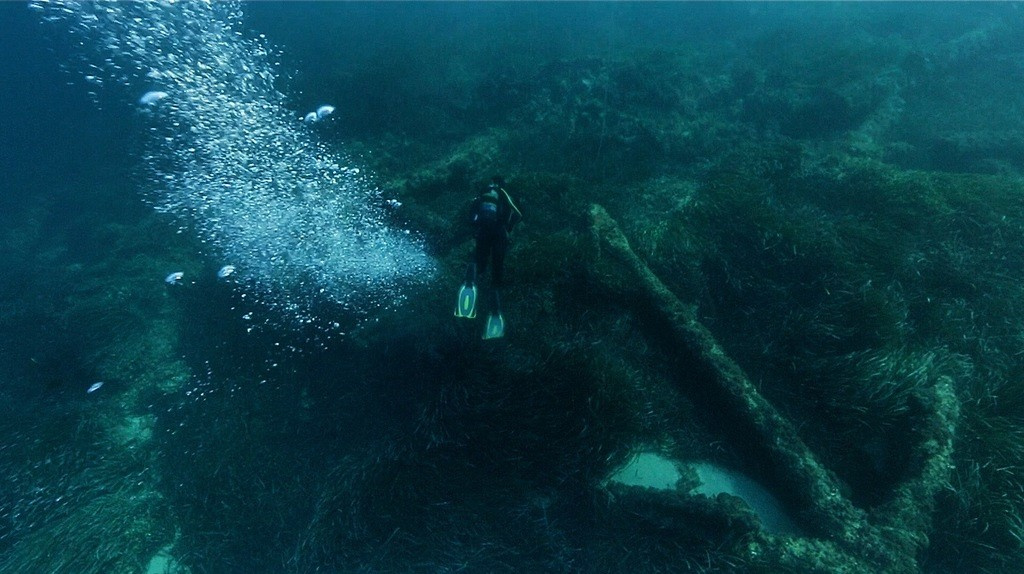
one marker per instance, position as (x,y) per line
(834,188)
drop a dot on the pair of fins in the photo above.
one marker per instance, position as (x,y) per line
(465,307)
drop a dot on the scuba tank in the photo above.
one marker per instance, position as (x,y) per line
(487,211)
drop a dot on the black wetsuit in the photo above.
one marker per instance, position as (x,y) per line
(492,217)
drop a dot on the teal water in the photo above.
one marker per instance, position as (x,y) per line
(834,188)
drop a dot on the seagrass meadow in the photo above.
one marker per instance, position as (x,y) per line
(764,308)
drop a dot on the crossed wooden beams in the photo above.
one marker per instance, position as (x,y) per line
(840,536)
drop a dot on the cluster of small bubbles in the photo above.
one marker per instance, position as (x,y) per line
(229,160)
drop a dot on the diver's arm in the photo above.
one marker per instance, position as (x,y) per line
(474,211)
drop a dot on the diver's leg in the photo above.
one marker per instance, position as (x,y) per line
(483,248)
(498,273)
(498,255)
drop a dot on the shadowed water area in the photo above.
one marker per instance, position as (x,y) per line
(762,312)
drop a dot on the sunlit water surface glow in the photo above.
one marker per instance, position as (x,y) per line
(300,222)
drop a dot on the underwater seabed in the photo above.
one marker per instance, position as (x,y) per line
(85,361)
(611,427)
(413,446)
(483,467)
(850,287)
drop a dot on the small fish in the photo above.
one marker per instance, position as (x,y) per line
(151,98)
(94,387)
(174,278)
(310,118)
(226,271)
(393,204)
(324,111)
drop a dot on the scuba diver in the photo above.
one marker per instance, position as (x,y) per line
(493,215)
